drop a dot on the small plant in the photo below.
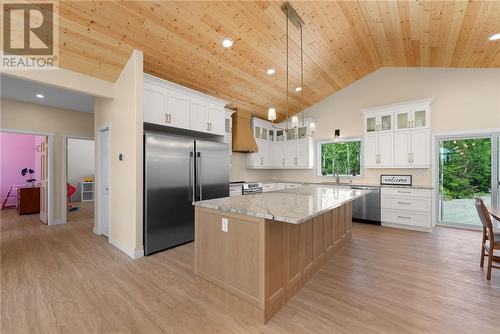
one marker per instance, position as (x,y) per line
(29,171)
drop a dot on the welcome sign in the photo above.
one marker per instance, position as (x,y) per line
(395,180)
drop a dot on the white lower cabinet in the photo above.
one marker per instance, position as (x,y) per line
(407,208)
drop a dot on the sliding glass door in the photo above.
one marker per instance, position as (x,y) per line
(468,168)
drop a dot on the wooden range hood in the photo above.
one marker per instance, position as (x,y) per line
(243,139)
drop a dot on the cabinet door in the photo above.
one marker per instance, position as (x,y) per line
(178,110)
(278,154)
(291,153)
(402,119)
(253,159)
(419,118)
(199,116)
(370,150)
(384,122)
(402,148)
(420,148)
(304,154)
(216,119)
(385,150)
(154,105)
(370,123)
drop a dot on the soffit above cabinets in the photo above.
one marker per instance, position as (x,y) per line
(343,42)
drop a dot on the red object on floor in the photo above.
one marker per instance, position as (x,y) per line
(70,190)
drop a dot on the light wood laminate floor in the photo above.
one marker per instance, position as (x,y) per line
(65,279)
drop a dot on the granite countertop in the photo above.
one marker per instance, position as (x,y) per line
(292,206)
(354,183)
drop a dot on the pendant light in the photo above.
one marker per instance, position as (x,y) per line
(271,114)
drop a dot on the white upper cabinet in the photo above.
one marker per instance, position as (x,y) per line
(279,149)
(168,104)
(178,110)
(379,122)
(216,119)
(155,110)
(199,116)
(398,135)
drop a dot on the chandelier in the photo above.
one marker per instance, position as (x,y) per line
(292,16)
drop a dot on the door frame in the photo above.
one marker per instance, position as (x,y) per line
(98,219)
(476,133)
(50,169)
(64,165)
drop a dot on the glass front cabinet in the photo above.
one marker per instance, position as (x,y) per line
(398,135)
(379,122)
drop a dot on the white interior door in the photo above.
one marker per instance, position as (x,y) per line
(44,181)
(105,181)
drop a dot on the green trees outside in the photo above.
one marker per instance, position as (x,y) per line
(466,168)
(342,158)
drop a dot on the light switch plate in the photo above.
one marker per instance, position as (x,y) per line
(225,225)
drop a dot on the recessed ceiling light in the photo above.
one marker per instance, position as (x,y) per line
(494,37)
(270,71)
(227,42)
(298,89)
(40,96)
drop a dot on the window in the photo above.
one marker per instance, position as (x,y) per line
(342,157)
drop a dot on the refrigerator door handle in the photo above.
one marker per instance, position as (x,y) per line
(191,176)
(198,170)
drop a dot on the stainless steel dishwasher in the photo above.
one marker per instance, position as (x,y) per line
(366,209)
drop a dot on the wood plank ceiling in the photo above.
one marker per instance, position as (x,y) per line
(343,42)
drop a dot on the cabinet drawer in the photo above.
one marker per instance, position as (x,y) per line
(293,185)
(406,218)
(419,204)
(406,192)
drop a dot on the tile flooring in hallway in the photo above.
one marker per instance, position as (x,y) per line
(65,279)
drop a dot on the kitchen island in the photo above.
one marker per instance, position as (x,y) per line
(254,252)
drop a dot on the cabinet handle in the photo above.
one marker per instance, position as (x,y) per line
(169,118)
(411,154)
(405,203)
(261,161)
(208,126)
(166,118)
(283,161)
(404,192)
(409,158)
(404,217)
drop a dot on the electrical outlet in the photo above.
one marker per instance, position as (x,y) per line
(225,225)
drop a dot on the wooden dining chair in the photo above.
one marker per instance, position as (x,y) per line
(489,236)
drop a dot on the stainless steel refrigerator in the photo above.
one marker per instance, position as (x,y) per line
(178,171)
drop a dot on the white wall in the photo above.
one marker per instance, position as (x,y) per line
(81,163)
(124,115)
(464,99)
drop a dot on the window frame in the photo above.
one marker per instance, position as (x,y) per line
(343,140)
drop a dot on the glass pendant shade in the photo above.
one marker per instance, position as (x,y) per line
(295,121)
(271,114)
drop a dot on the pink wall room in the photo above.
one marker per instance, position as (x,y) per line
(17,151)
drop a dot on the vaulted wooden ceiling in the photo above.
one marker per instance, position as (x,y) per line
(343,42)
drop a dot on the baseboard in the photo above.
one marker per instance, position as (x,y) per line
(124,249)
(408,227)
(139,253)
(58,221)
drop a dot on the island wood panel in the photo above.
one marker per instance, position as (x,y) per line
(233,260)
(290,255)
